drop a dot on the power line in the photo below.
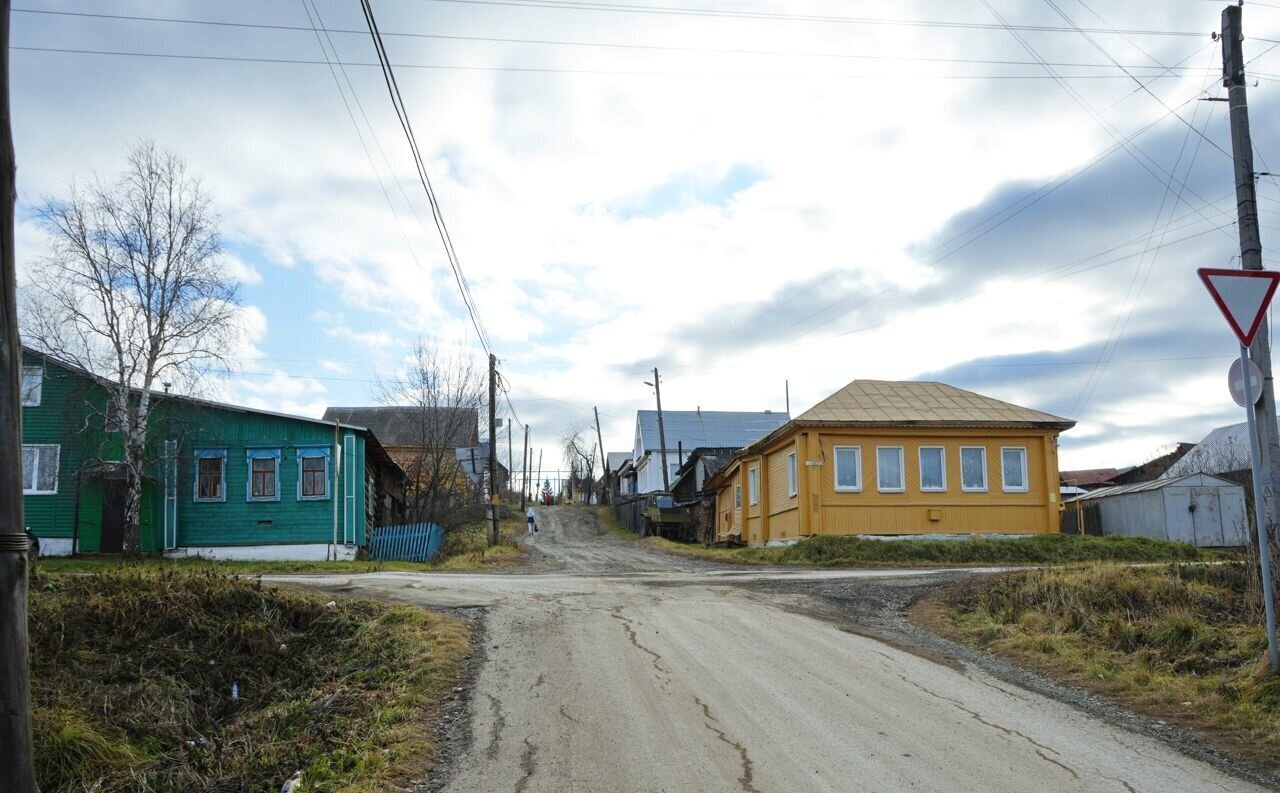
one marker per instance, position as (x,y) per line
(581,43)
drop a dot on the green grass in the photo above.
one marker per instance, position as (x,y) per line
(465,548)
(1181,642)
(858,551)
(132,673)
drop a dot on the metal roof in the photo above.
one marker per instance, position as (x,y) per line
(693,428)
(1222,450)
(1189,480)
(616,459)
(901,402)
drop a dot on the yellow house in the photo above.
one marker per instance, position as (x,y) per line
(884,457)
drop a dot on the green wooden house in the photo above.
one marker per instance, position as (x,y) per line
(223,481)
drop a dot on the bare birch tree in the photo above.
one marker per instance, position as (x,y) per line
(133,291)
(580,455)
(445,392)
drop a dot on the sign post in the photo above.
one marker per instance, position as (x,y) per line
(1243,297)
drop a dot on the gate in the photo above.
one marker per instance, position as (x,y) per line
(409,542)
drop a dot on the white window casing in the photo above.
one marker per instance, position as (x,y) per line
(268,475)
(933,469)
(1013,469)
(737,496)
(890,474)
(32,386)
(211,454)
(848,474)
(973,469)
(40,469)
(793,483)
(753,486)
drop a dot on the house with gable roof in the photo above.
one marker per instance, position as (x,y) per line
(686,430)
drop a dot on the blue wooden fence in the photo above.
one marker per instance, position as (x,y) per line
(410,542)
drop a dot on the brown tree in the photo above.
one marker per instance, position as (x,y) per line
(134,291)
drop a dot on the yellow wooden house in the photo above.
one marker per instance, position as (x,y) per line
(887,457)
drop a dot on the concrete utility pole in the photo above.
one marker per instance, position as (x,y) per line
(662,433)
(493,449)
(16,762)
(786,384)
(1233,79)
(604,458)
(524,469)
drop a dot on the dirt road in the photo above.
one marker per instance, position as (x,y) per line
(629,671)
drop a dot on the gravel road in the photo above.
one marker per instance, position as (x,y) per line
(610,667)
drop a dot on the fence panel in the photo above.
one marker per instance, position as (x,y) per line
(630,512)
(409,542)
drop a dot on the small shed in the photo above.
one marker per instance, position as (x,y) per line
(1198,509)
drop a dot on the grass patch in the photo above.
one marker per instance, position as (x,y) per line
(132,674)
(465,548)
(859,551)
(1181,642)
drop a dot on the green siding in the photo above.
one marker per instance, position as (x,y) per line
(65,411)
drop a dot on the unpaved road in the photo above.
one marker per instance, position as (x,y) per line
(618,669)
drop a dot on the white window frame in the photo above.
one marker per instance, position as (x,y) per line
(35,475)
(857,469)
(737,496)
(942,451)
(793,476)
(963,486)
(753,485)
(38,390)
(902,470)
(1004,479)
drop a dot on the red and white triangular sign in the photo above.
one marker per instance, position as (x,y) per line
(1242,296)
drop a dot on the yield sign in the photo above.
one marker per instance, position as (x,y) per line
(1242,296)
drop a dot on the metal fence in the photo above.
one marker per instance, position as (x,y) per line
(409,542)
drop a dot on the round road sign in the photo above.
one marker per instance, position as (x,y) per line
(1235,382)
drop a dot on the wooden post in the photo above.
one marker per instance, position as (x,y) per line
(604,459)
(524,469)
(16,761)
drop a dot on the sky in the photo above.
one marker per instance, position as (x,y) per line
(1008,196)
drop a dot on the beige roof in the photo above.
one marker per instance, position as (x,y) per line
(898,402)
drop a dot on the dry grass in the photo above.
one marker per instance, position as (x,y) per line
(1184,642)
(132,673)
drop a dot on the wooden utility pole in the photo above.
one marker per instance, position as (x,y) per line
(1268,435)
(604,458)
(538,483)
(16,764)
(786,384)
(493,449)
(662,434)
(511,468)
(524,472)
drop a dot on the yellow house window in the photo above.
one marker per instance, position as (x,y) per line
(737,496)
(791,475)
(753,486)
(890,478)
(973,469)
(1013,469)
(933,469)
(848,469)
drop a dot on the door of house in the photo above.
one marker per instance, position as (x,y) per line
(114,494)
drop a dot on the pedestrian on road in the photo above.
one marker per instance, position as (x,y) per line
(533,524)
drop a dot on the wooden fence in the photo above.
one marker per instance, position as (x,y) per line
(409,542)
(630,512)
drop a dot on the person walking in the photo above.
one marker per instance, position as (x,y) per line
(532,524)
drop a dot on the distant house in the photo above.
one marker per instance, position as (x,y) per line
(1096,478)
(701,464)
(1090,478)
(225,481)
(895,458)
(1224,452)
(686,430)
(617,461)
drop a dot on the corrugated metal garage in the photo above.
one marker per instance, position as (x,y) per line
(1198,509)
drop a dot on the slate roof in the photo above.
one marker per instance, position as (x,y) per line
(1224,450)
(693,428)
(904,402)
(616,459)
(402,425)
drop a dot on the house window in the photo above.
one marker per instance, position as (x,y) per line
(32,385)
(792,488)
(674,468)
(313,473)
(890,478)
(848,469)
(40,470)
(264,474)
(737,496)
(933,469)
(1013,469)
(211,475)
(973,469)
(753,486)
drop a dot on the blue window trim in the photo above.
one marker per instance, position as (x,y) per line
(201,454)
(258,454)
(314,451)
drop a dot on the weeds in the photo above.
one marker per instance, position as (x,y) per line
(133,674)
